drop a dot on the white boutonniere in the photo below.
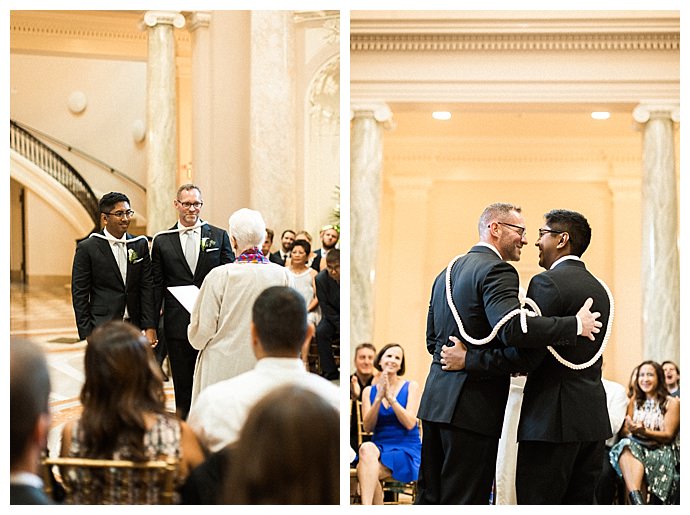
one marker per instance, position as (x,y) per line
(133,256)
(207,244)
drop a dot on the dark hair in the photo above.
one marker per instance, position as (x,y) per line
(366,345)
(378,357)
(286,231)
(287,451)
(123,382)
(333,256)
(270,233)
(660,392)
(29,393)
(187,187)
(279,314)
(108,201)
(574,224)
(304,244)
(669,362)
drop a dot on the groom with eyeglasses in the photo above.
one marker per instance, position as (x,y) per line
(184,255)
(111,273)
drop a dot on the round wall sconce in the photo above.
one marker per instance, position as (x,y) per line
(138,131)
(76,102)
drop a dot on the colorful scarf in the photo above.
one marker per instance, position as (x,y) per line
(252,255)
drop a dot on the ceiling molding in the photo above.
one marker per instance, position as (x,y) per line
(513,42)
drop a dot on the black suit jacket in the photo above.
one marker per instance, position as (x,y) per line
(276,258)
(25,494)
(170,268)
(559,404)
(484,289)
(98,292)
(328,293)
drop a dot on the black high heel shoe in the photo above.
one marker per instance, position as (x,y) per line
(636,497)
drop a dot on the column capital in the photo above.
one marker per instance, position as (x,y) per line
(645,110)
(198,20)
(379,111)
(174,18)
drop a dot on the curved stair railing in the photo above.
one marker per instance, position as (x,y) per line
(52,163)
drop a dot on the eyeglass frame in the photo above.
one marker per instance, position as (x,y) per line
(521,232)
(542,232)
(120,214)
(196,205)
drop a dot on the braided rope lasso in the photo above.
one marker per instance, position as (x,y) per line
(115,240)
(524,313)
(178,230)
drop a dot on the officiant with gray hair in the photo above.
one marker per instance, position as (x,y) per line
(181,256)
(221,316)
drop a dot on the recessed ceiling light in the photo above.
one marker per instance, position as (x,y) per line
(601,115)
(441,115)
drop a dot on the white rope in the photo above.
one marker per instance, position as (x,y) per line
(524,313)
(179,230)
(115,240)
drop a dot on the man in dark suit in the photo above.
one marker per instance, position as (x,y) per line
(564,418)
(176,264)
(462,415)
(29,421)
(287,239)
(111,273)
(330,234)
(328,331)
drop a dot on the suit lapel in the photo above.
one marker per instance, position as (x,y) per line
(201,261)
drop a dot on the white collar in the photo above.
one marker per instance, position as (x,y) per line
(193,228)
(485,244)
(564,258)
(270,362)
(26,478)
(112,239)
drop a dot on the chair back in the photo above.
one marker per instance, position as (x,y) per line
(361,433)
(97,481)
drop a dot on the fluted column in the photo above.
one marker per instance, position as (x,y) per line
(272,118)
(660,259)
(161,117)
(198,23)
(366,164)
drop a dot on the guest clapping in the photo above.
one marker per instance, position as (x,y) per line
(389,409)
(647,456)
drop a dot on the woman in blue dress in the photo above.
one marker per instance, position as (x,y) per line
(389,409)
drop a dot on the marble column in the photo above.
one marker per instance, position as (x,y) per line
(161,117)
(660,258)
(198,23)
(272,187)
(366,164)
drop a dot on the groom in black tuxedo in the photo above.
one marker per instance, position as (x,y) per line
(181,256)
(564,419)
(462,415)
(111,273)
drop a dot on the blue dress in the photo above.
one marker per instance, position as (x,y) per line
(401,449)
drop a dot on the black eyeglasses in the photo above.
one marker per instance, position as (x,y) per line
(121,214)
(542,232)
(187,205)
(518,229)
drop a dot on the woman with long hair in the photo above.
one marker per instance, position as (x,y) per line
(646,457)
(389,409)
(124,415)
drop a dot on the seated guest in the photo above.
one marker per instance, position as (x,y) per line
(29,421)
(124,415)
(277,330)
(304,235)
(647,456)
(288,452)
(283,253)
(328,330)
(672,377)
(389,409)
(268,242)
(363,377)
(304,283)
(220,319)
(330,234)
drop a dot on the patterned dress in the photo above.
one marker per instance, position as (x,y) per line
(660,460)
(161,441)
